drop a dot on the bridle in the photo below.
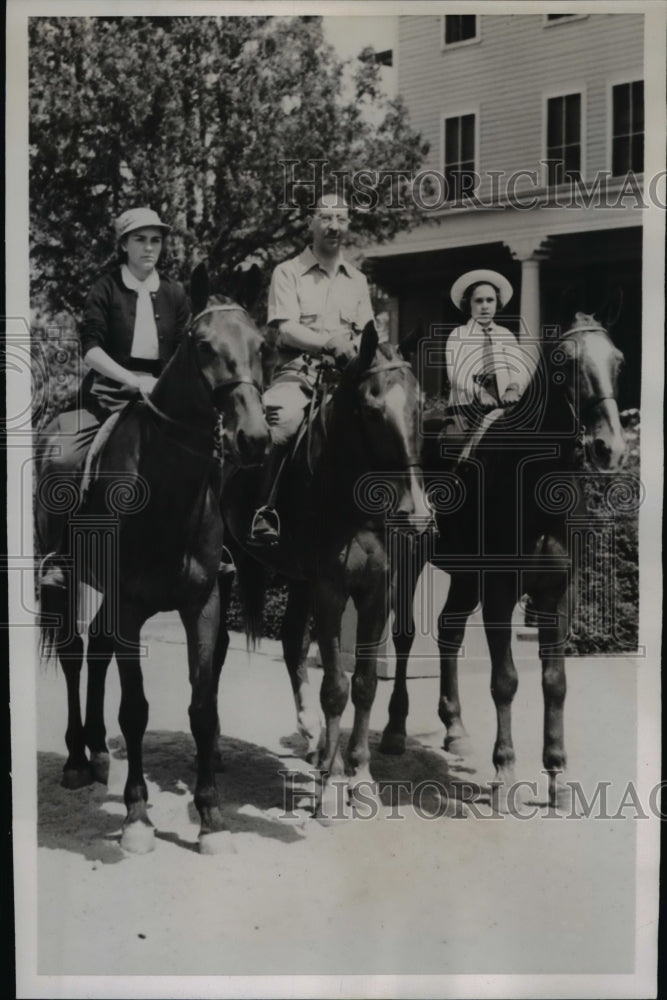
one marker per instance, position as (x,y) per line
(591,404)
(579,417)
(228,383)
(357,380)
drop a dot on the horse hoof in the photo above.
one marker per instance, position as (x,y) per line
(499,799)
(457,745)
(99,765)
(365,802)
(77,777)
(334,803)
(392,743)
(219,842)
(138,838)
(561,797)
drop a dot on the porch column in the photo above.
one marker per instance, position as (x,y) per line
(530,251)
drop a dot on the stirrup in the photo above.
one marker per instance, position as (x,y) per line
(53,575)
(227,566)
(267,533)
(531,617)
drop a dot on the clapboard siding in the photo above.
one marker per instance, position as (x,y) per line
(506,76)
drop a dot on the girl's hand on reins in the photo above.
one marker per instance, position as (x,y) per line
(145,384)
(511,395)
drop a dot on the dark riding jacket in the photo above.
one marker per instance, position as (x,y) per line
(110,310)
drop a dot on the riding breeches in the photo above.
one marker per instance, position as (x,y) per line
(285,404)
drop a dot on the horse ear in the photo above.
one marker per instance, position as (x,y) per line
(246,286)
(368,346)
(613,307)
(199,288)
(409,344)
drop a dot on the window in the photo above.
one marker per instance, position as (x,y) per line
(563,147)
(627,135)
(558,18)
(459,155)
(460,28)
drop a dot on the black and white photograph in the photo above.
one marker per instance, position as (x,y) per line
(334,383)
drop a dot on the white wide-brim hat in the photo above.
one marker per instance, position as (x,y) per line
(138,218)
(462,284)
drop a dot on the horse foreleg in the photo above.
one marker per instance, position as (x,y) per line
(403,630)
(138,834)
(554,685)
(202,630)
(372,614)
(334,691)
(462,599)
(99,655)
(499,599)
(295,638)
(225,582)
(76,771)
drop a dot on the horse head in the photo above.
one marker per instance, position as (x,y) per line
(591,367)
(227,349)
(379,401)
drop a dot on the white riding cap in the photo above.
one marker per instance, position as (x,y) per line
(138,218)
(462,284)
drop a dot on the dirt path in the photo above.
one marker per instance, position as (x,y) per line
(402,894)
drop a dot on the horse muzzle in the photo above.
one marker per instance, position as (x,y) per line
(247,447)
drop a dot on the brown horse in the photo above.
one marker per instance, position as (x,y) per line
(354,474)
(504,520)
(149,537)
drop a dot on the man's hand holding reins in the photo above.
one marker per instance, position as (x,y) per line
(341,349)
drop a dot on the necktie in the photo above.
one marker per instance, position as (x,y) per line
(495,365)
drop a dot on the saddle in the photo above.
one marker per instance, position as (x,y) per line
(91,464)
(464,427)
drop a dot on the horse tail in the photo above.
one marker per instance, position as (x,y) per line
(57,618)
(251,581)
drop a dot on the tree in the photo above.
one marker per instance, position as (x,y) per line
(197,117)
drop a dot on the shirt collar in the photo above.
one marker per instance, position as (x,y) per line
(473,325)
(150,284)
(308,260)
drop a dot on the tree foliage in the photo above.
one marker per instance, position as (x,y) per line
(195,117)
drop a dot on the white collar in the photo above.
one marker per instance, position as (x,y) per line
(149,284)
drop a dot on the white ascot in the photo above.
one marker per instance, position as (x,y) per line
(145,340)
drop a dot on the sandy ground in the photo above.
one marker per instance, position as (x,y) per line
(399,894)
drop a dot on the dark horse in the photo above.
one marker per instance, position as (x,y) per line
(355,470)
(149,537)
(503,519)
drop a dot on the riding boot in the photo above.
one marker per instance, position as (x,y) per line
(265,526)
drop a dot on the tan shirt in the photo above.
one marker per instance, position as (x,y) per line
(302,291)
